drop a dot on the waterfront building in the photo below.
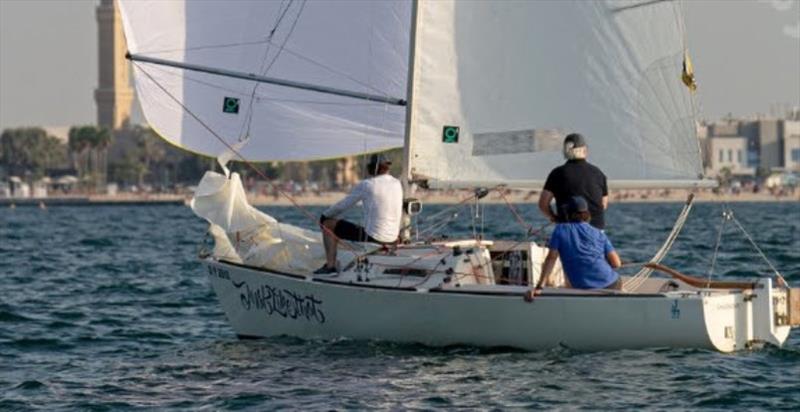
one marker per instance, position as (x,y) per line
(791,145)
(728,153)
(770,156)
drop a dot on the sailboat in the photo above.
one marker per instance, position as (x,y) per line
(479,95)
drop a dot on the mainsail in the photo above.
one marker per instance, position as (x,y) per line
(352,45)
(497,85)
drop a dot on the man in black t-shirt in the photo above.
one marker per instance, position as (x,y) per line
(576,177)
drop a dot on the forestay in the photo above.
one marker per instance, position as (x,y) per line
(352,45)
(497,85)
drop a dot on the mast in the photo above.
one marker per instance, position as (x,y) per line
(405,177)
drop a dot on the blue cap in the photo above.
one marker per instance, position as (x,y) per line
(577,204)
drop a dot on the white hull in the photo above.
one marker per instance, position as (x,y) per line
(260,303)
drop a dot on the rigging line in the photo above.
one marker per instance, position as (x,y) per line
(263,72)
(527,238)
(758,249)
(280,18)
(282,46)
(330,69)
(429,232)
(218,46)
(285,50)
(448,210)
(637,5)
(214,46)
(725,218)
(528,227)
(247,162)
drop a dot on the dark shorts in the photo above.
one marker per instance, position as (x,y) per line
(616,285)
(352,232)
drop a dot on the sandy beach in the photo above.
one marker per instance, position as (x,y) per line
(427,197)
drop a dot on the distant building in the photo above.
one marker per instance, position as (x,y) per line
(728,152)
(770,154)
(114,95)
(749,129)
(724,128)
(764,141)
(791,145)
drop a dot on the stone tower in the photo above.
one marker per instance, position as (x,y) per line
(113,95)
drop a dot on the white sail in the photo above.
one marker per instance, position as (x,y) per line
(351,45)
(505,81)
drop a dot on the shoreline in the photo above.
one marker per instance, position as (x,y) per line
(328,198)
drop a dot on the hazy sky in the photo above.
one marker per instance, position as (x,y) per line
(746,55)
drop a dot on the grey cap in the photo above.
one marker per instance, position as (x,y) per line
(576,139)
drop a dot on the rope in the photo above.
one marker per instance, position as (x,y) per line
(516,214)
(637,280)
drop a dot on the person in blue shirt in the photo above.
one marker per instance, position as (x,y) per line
(587,256)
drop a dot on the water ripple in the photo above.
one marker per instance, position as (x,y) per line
(106,308)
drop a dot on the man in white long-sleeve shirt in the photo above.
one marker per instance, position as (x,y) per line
(382,197)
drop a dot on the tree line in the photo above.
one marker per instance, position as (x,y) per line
(96,156)
(135,155)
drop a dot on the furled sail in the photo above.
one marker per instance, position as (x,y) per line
(347,45)
(497,85)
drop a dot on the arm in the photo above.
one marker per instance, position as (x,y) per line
(547,268)
(611,255)
(613,259)
(349,201)
(544,204)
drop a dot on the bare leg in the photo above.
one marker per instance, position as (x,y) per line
(330,242)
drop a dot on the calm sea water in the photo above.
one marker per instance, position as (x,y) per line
(106,308)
